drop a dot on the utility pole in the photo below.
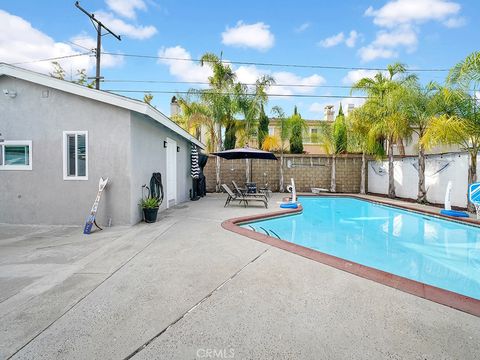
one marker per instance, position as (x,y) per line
(98,26)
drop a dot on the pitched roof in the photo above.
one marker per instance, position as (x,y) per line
(98,95)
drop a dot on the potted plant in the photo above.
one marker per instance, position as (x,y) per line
(150,208)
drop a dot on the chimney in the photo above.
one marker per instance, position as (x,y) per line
(329,113)
(174,107)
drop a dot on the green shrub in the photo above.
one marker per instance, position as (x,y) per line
(150,203)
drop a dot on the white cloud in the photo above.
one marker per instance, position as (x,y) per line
(120,27)
(352,39)
(257,36)
(302,27)
(401,19)
(183,70)
(247,74)
(126,8)
(398,12)
(369,53)
(23,43)
(354,75)
(340,38)
(455,22)
(402,36)
(332,40)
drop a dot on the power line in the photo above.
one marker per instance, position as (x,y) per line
(330,67)
(52,58)
(207,83)
(248,94)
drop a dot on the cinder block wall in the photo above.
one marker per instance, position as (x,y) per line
(307,170)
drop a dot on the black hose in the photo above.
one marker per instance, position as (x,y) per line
(156,187)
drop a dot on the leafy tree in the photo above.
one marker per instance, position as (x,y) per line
(388,121)
(58,72)
(251,105)
(279,114)
(340,132)
(297,128)
(230,135)
(270,143)
(358,124)
(147,98)
(262,127)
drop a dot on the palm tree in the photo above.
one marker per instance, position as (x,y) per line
(218,97)
(389,122)
(419,105)
(459,124)
(279,114)
(251,104)
(358,124)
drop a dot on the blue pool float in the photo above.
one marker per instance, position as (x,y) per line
(289,205)
(454,213)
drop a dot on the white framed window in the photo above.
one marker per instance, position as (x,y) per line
(271,131)
(75,155)
(16,155)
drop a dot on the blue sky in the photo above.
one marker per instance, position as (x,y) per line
(423,34)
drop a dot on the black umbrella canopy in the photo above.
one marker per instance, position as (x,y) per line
(245,153)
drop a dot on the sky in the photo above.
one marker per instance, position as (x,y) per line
(356,35)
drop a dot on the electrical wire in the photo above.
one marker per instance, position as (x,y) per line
(330,67)
(248,94)
(53,58)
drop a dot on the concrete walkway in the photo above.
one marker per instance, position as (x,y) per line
(184,288)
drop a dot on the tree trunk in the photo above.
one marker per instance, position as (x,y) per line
(333,180)
(219,148)
(282,185)
(472,175)
(422,192)
(363,190)
(391,178)
(401,147)
(217,173)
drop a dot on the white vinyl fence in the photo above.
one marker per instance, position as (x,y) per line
(439,170)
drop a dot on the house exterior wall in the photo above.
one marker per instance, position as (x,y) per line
(42,196)
(148,155)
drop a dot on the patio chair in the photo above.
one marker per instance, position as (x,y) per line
(245,198)
(243,191)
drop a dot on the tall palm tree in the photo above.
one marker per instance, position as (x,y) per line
(358,124)
(279,114)
(459,124)
(218,98)
(250,104)
(389,122)
(419,105)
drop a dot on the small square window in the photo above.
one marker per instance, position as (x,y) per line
(75,155)
(16,155)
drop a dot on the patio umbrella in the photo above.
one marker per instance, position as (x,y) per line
(246,153)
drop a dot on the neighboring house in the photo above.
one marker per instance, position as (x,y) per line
(58,138)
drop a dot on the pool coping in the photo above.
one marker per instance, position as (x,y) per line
(441,296)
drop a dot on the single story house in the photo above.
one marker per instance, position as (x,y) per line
(58,138)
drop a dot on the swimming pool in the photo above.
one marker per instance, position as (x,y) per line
(426,249)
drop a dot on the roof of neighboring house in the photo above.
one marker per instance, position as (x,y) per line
(98,95)
(309,122)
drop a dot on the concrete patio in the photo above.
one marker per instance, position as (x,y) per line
(184,288)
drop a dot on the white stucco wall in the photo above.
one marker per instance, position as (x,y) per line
(439,170)
(42,196)
(148,155)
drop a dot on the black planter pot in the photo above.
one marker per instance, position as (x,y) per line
(150,215)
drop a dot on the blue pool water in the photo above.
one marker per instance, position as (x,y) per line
(433,251)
